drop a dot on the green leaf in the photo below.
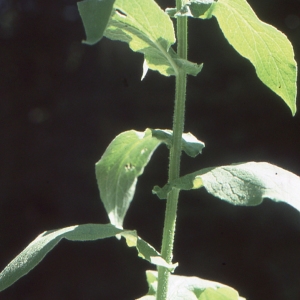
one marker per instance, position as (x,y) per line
(190,288)
(268,49)
(242,184)
(124,160)
(95,15)
(192,8)
(149,30)
(117,171)
(190,144)
(146,251)
(45,242)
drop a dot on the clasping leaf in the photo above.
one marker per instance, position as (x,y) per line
(190,288)
(242,184)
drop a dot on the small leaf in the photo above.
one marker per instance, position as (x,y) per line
(190,144)
(45,242)
(190,288)
(124,160)
(146,251)
(95,15)
(242,184)
(199,8)
(267,48)
(192,8)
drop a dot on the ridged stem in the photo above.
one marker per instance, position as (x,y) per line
(174,159)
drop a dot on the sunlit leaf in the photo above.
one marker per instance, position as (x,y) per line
(267,48)
(190,288)
(192,8)
(149,30)
(242,184)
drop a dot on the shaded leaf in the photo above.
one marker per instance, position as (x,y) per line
(45,242)
(124,160)
(117,171)
(190,288)
(95,15)
(242,184)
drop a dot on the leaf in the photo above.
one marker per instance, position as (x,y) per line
(190,288)
(267,48)
(117,171)
(95,15)
(45,242)
(123,161)
(192,8)
(146,251)
(149,30)
(242,184)
(190,144)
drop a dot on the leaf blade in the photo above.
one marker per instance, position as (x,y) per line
(148,30)
(263,45)
(34,253)
(118,169)
(242,184)
(190,288)
(190,144)
(95,15)
(124,161)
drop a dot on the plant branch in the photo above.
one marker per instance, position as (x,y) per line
(174,159)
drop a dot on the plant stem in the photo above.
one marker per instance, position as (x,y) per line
(174,159)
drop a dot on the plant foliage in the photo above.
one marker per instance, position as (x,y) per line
(147,29)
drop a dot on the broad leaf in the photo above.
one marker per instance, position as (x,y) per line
(268,49)
(149,30)
(242,184)
(45,242)
(95,15)
(124,160)
(191,288)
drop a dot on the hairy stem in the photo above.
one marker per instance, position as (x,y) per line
(174,159)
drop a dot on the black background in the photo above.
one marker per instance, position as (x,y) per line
(62,102)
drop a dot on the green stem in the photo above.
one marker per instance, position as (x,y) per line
(174,159)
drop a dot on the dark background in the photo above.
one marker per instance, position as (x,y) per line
(62,102)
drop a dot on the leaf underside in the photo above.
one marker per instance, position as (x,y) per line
(143,25)
(45,242)
(149,30)
(242,184)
